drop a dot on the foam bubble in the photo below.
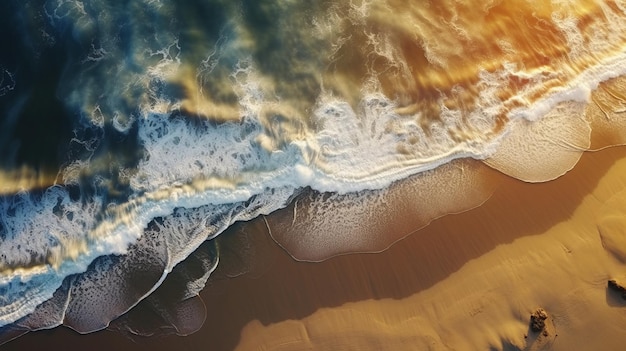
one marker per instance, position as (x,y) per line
(317,226)
(544,149)
(35,261)
(175,304)
(607,114)
(374,146)
(7,81)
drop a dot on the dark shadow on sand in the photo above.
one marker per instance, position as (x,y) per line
(614,298)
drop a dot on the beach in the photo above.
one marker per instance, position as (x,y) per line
(467,281)
(279,175)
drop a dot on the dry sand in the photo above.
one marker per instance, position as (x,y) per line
(468,281)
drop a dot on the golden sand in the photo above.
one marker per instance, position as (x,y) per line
(471,281)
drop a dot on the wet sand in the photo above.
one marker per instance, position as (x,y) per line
(467,281)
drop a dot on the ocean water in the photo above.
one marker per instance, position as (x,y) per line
(134,131)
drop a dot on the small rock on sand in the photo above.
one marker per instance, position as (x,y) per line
(538,320)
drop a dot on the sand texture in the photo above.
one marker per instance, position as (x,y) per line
(471,281)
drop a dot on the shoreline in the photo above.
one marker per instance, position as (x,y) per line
(280,294)
(435,253)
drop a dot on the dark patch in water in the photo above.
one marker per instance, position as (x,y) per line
(35,125)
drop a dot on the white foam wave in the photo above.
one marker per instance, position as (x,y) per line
(577,89)
(43,240)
